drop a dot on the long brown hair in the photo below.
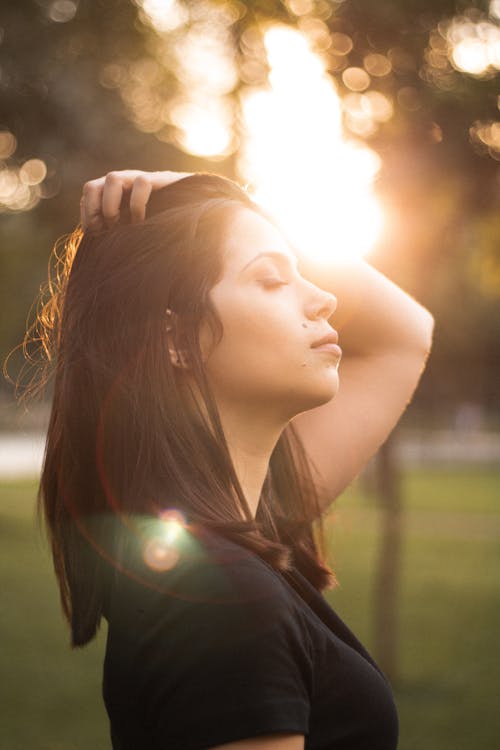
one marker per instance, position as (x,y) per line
(121,440)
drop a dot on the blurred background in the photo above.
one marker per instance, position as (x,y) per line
(367,127)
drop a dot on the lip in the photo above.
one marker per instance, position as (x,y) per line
(331,338)
(329,349)
(328,344)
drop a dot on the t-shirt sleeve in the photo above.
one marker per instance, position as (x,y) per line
(223,660)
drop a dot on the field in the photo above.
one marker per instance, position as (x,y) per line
(449,617)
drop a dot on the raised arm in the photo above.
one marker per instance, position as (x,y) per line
(386,337)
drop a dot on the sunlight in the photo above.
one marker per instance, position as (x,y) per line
(203,129)
(475,47)
(163,15)
(317,185)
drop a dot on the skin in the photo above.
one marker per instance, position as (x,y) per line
(264,372)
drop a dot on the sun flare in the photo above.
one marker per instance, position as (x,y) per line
(315,183)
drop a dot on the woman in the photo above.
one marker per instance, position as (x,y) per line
(197,432)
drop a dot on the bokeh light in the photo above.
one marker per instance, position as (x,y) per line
(486,136)
(62,11)
(20,188)
(8,144)
(195,43)
(473,46)
(356,79)
(163,15)
(377,65)
(342,44)
(204,129)
(33,172)
(315,183)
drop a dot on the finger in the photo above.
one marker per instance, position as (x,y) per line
(141,191)
(112,197)
(90,204)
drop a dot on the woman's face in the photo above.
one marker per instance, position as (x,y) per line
(270,316)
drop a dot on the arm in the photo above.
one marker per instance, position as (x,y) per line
(386,338)
(385,335)
(269,742)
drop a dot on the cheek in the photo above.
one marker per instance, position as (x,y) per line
(258,339)
(264,355)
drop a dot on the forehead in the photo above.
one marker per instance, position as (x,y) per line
(249,234)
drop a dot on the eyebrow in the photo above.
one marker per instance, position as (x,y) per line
(290,259)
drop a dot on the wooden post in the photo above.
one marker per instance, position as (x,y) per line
(388,570)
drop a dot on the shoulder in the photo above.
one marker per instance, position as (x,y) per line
(218,631)
(197,572)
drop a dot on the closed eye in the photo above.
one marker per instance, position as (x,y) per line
(272,282)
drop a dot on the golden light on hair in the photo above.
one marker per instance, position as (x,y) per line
(300,166)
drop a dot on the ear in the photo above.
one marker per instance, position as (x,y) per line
(178,357)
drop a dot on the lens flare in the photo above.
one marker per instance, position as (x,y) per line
(173,522)
(159,556)
(163,539)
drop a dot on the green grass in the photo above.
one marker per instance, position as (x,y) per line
(449,617)
(449,613)
(49,694)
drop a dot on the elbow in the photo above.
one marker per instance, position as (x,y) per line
(429,324)
(425,334)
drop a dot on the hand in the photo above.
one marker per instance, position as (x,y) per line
(101,198)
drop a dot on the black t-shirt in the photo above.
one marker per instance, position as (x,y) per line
(222,647)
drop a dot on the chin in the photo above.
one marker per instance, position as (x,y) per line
(320,395)
(328,386)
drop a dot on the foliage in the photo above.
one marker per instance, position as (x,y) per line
(76,89)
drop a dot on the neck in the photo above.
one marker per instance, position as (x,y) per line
(251,439)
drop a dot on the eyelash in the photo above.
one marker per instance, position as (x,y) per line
(272,282)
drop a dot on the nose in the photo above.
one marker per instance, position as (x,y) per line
(321,304)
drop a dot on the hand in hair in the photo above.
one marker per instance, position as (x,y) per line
(102,197)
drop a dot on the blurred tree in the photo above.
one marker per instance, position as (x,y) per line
(92,85)
(89,86)
(52,102)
